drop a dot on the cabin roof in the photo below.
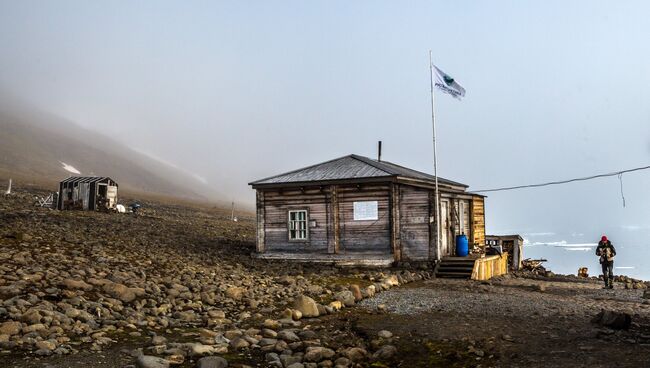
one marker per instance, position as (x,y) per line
(350,167)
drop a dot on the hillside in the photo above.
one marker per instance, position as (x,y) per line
(36,147)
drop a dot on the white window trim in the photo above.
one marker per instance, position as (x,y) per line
(306,221)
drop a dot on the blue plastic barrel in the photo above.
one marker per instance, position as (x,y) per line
(462,246)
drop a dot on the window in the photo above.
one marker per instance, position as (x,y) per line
(298,225)
(365,210)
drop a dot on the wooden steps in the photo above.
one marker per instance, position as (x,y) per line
(455,267)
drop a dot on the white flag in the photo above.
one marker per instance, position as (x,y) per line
(447,84)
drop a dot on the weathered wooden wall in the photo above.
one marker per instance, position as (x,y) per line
(478,221)
(261,216)
(335,230)
(415,210)
(403,227)
(367,236)
(276,207)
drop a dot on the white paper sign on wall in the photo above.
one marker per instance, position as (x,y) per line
(367,210)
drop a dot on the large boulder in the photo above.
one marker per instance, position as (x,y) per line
(148,361)
(318,353)
(239,343)
(46,345)
(198,349)
(355,354)
(612,319)
(73,284)
(306,305)
(288,336)
(390,280)
(346,297)
(370,291)
(386,352)
(122,292)
(212,362)
(235,293)
(356,292)
(10,328)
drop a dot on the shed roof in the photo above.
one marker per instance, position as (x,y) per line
(86,179)
(351,167)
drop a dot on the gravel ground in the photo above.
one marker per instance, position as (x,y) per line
(518,296)
(515,322)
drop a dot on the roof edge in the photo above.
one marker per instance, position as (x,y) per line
(300,169)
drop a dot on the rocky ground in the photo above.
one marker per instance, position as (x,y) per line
(176,286)
(170,286)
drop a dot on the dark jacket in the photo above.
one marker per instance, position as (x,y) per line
(601,250)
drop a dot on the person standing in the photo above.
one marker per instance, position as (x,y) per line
(606,252)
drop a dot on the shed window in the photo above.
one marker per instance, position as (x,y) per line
(298,225)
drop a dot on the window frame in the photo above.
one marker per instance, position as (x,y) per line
(306,220)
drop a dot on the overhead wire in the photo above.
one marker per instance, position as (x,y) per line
(617,173)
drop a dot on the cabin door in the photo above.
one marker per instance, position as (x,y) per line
(446,248)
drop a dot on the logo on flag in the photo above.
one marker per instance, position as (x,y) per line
(447,84)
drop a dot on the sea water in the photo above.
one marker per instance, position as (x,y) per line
(568,252)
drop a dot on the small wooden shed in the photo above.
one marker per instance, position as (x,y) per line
(90,193)
(356,210)
(512,244)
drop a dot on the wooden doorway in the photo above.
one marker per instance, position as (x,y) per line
(446,243)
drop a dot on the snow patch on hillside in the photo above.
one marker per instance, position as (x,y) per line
(69,168)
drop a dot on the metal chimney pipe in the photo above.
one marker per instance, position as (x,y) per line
(379,152)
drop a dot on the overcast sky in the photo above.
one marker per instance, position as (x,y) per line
(237,91)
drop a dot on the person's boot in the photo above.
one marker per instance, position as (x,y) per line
(606,284)
(611,283)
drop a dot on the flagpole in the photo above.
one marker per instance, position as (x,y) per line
(435,163)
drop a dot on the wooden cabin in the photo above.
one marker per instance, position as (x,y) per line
(360,211)
(89,193)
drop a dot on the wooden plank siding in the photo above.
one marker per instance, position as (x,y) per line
(366,236)
(334,233)
(414,209)
(404,228)
(335,230)
(260,221)
(277,205)
(478,222)
(395,223)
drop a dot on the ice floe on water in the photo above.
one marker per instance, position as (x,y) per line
(565,244)
(575,245)
(545,233)
(69,168)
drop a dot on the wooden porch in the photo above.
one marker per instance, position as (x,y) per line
(473,267)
